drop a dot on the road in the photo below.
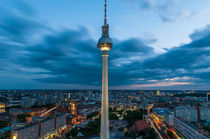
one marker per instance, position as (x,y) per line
(158,126)
(161,128)
(45,113)
(156,130)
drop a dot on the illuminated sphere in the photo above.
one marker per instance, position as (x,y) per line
(105,43)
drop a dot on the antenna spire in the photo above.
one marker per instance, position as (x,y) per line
(105,17)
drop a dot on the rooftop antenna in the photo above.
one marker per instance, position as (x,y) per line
(105,17)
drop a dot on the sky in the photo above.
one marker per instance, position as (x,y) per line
(158,44)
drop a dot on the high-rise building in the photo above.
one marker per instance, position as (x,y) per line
(105,44)
(158,93)
(26,102)
(2,107)
(169,118)
(204,113)
(73,108)
(187,113)
(39,130)
(68,101)
(192,114)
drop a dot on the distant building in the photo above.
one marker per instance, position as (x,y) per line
(37,119)
(191,114)
(73,108)
(15,125)
(205,113)
(26,102)
(187,113)
(2,107)
(208,96)
(169,118)
(140,127)
(69,95)
(158,93)
(188,131)
(14,112)
(40,101)
(160,113)
(33,101)
(40,129)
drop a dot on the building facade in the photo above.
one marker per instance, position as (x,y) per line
(188,131)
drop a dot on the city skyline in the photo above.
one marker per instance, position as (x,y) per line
(53,46)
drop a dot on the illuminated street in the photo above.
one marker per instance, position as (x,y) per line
(161,128)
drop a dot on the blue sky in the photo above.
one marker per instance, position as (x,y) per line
(158,44)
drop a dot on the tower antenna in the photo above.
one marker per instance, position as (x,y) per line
(105,17)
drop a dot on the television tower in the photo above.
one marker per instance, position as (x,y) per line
(105,44)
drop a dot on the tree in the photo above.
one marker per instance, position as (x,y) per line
(207,128)
(93,128)
(113,116)
(120,111)
(132,135)
(92,114)
(152,134)
(3,124)
(133,116)
(111,128)
(121,129)
(22,117)
(74,132)
(68,135)
(170,134)
(5,136)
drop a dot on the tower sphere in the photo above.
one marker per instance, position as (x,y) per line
(105,43)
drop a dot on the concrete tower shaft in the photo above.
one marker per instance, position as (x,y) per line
(105,99)
(105,45)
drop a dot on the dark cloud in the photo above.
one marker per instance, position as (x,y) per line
(17,22)
(18,7)
(23,7)
(134,45)
(199,34)
(73,58)
(18,29)
(70,57)
(185,60)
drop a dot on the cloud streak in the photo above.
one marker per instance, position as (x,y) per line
(166,10)
(162,84)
